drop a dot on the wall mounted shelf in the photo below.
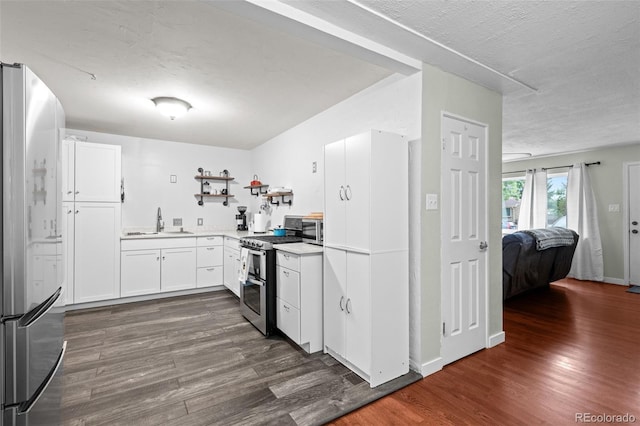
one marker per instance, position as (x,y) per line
(257,189)
(281,195)
(204,178)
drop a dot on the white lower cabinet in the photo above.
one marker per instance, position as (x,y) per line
(157,265)
(96,266)
(210,261)
(299,298)
(364,313)
(178,269)
(140,272)
(232,264)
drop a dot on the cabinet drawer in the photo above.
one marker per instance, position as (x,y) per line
(288,260)
(209,256)
(288,286)
(213,240)
(208,277)
(288,320)
(232,243)
(157,243)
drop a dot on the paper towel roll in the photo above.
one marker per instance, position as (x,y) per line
(259,222)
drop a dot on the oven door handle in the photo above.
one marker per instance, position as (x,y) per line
(254,281)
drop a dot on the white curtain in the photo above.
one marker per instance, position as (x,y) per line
(582,217)
(533,205)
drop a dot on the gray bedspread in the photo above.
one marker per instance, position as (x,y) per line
(551,237)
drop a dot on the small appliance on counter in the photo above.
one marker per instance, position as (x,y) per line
(241,219)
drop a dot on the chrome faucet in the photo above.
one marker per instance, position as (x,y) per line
(159,222)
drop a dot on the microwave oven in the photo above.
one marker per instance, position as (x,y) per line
(312,231)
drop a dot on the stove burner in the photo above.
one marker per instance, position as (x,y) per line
(266,242)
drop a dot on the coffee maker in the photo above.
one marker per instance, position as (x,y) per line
(241,219)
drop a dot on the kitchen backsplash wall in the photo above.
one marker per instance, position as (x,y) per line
(393,105)
(147,165)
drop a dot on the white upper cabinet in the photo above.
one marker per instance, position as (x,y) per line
(366,192)
(91,172)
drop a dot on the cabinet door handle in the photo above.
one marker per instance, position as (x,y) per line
(341,299)
(158,258)
(286,256)
(77,211)
(347,192)
(286,308)
(69,211)
(286,273)
(77,192)
(211,248)
(341,193)
(69,192)
(211,269)
(162,257)
(347,305)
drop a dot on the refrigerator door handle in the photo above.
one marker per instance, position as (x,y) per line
(26,406)
(36,313)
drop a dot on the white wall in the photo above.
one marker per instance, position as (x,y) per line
(146,167)
(391,105)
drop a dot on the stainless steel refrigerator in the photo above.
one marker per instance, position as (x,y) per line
(32,306)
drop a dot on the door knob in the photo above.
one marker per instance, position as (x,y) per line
(483,245)
(635,231)
(635,222)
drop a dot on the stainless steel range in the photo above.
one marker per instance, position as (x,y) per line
(258,292)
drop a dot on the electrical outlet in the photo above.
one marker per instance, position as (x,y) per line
(314,166)
(200,221)
(432,201)
(177,221)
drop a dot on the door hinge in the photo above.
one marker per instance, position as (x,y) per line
(443,329)
(444,144)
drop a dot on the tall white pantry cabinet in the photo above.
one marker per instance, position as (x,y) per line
(91,220)
(366,266)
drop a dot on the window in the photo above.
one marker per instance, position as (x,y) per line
(556,201)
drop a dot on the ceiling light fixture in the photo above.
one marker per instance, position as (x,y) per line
(171,107)
(507,156)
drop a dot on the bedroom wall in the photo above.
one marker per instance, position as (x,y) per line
(606,180)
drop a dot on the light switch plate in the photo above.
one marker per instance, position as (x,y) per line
(432,201)
(614,207)
(314,167)
(173,178)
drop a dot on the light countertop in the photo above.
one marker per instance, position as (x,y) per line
(148,234)
(299,248)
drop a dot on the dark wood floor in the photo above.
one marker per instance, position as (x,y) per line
(572,349)
(194,360)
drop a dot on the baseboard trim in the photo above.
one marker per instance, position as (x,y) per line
(431,367)
(496,339)
(616,281)
(143,298)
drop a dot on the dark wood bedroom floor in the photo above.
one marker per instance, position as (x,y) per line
(194,360)
(574,348)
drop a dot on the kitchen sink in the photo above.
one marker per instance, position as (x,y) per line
(141,233)
(176,232)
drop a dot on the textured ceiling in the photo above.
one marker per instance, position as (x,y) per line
(247,82)
(249,79)
(583,57)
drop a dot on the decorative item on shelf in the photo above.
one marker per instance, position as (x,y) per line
(205,186)
(256,187)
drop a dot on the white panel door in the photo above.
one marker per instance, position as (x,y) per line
(358,191)
(178,271)
(335,290)
(140,272)
(97,252)
(464,252)
(358,309)
(98,172)
(634,223)
(334,199)
(68,236)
